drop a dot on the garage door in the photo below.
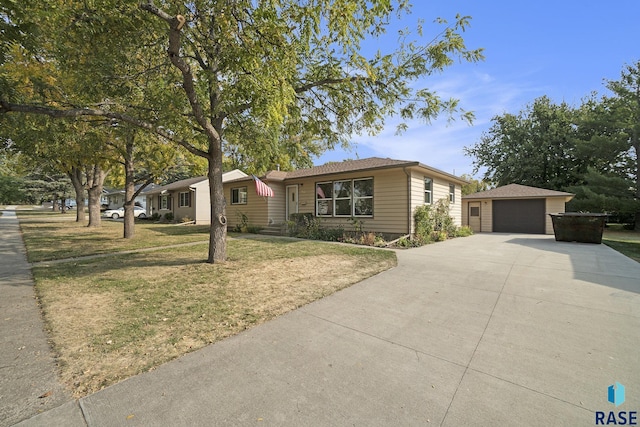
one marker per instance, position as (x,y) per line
(519,216)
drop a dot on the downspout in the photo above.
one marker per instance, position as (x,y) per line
(408,200)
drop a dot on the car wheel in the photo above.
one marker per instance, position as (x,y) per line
(142,216)
(115,216)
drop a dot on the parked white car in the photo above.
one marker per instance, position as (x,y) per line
(138,212)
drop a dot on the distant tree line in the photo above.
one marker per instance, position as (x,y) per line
(590,150)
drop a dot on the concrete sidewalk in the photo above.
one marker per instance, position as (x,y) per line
(28,375)
(488,330)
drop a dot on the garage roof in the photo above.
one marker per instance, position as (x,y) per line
(517,191)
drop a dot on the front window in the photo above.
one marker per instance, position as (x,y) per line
(185,199)
(342,198)
(428,190)
(346,198)
(165,202)
(324,199)
(239,196)
(363,197)
(452,193)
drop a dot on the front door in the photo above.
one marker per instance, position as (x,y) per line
(292,200)
(474,216)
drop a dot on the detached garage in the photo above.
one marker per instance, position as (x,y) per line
(513,208)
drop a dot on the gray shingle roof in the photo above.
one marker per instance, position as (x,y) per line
(517,191)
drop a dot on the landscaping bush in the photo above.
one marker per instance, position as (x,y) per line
(433,223)
(464,231)
(254,229)
(243,223)
(168,216)
(155,216)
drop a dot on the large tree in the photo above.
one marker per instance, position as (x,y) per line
(290,76)
(626,105)
(534,147)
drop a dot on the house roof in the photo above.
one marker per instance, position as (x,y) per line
(147,189)
(517,191)
(371,163)
(186,183)
(183,183)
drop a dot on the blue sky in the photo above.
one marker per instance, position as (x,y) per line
(564,49)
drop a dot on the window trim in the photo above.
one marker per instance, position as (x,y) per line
(241,200)
(165,202)
(452,193)
(181,203)
(429,191)
(352,199)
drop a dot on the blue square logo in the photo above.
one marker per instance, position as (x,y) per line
(616,394)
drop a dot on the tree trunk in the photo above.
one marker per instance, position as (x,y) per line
(129,189)
(76,179)
(95,180)
(218,231)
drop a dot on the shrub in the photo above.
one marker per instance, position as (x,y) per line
(185,219)
(439,236)
(168,216)
(424,222)
(254,229)
(431,220)
(464,231)
(406,242)
(243,223)
(155,216)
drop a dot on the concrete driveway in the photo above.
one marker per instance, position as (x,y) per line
(488,330)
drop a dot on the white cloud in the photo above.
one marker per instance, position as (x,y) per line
(440,144)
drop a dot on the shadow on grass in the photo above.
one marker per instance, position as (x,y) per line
(89,268)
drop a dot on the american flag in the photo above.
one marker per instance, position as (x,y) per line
(262,189)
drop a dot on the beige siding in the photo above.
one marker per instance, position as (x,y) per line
(553,205)
(276,209)
(201,203)
(389,200)
(255,209)
(440,191)
(486,214)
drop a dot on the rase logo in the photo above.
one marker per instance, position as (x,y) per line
(616,396)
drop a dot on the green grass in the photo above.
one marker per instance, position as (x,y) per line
(624,241)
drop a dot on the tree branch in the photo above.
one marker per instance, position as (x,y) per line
(188,79)
(6,107)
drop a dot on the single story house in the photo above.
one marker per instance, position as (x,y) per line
(187,198)
(382,193)
(115,198)
(513,208)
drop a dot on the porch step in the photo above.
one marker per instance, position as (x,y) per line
(273,230)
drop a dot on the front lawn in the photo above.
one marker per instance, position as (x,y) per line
(51,236)
(113,317)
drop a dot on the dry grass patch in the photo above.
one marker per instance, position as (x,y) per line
(115,317)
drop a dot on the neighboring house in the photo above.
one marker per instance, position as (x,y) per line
(188,198)
(513,208)
(382,193)
(115,198)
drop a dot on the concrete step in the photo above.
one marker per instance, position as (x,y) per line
(274,230)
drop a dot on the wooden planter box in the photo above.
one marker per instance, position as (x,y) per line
(578,227)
